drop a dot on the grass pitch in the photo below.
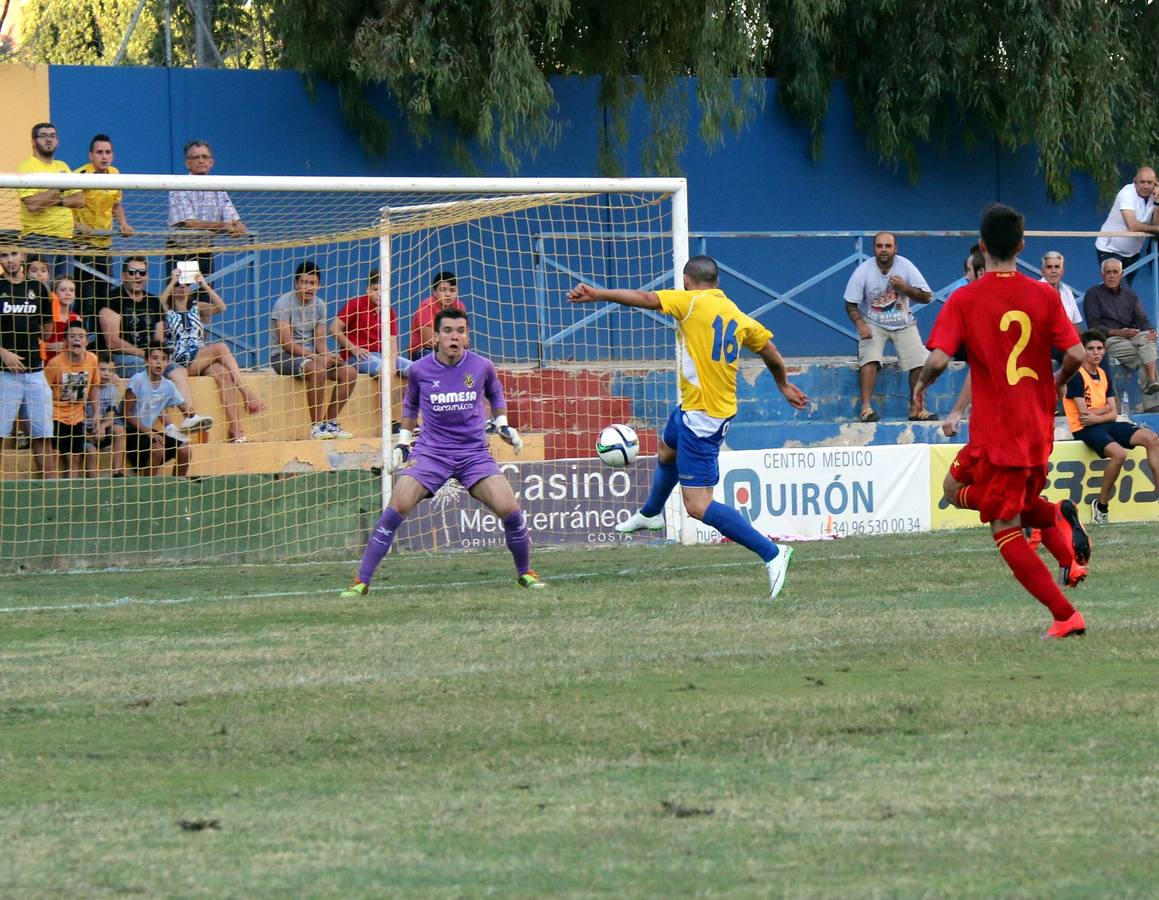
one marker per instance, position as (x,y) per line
(646,726)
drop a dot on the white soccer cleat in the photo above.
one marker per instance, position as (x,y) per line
(172,431)
(1098,517)
(778,569)
(637,521)
(195,423)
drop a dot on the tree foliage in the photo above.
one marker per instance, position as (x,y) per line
(1070,77)
(89,32)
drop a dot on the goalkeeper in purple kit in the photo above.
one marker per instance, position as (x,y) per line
(447,389)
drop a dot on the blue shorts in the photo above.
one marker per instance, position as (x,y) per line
(1098,436)
(434,468)
(696,457)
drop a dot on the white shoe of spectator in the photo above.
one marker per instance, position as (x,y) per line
(172,431)
(322,432)
(336,430)
(196,423)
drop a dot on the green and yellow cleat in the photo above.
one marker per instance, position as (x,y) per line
(529,580)
(356,590)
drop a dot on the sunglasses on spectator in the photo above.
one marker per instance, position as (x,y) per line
(136,271)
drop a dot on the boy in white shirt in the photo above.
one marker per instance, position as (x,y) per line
(149,441)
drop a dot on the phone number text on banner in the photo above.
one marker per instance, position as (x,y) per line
(823,490)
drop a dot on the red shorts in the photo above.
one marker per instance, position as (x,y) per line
(1001,493)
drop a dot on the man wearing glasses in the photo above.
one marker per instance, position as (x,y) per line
(201,211)
(131,319)
(46,217)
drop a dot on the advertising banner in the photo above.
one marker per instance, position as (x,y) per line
(566,502)
(1074,472)
(825,490)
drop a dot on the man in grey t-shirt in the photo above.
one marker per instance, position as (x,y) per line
(300,324)
(877,301)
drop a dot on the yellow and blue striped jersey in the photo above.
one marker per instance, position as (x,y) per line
(712,331)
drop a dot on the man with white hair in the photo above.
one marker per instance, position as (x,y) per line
(1053,268)
(1115,310)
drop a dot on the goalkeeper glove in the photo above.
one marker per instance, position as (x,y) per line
(499,426)
(402,448)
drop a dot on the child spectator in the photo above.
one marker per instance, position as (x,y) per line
(191,355)
(359,333)
(444,295)
(149,442)
(63,299)
(106,428)
(1092,413)
(73,377)
(299,349)
(36,268)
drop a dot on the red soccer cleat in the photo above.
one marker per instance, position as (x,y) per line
(1072,575)
(1069,628)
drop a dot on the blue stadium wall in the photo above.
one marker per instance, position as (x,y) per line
(764,179)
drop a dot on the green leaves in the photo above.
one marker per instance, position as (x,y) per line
(1070,77)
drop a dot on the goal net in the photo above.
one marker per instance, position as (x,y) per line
(292,466)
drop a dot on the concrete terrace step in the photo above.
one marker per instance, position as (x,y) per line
(279,457)
(804,433)
(563,414)
(582,444)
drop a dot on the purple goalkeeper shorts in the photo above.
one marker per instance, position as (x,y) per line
(433,468)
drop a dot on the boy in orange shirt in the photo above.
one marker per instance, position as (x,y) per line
(72,377)
(1093,416)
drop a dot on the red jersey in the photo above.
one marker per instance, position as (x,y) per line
(1007,324)
(425,315)
(360,316)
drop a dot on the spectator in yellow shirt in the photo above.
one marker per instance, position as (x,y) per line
(46,216)
(94,225)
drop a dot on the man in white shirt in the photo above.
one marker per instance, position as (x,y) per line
(877,300)
(1132,211)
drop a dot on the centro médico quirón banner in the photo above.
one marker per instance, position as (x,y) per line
(824,490)
(566,502)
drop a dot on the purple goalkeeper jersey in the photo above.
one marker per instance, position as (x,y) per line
(450,401)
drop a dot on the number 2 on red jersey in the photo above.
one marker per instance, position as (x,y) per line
(1014,372)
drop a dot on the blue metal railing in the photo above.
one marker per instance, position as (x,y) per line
(705,242)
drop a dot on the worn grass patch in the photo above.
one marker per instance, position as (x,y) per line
(646,726)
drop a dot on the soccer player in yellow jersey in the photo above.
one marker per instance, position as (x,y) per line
(712,331)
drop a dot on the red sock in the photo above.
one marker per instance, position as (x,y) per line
(1032,572)
(963,497)
(1055,531)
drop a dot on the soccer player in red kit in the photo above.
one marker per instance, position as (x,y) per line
(1008,323)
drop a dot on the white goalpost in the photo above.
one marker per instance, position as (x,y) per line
(259,486)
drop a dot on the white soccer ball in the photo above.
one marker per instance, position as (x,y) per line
(618,445)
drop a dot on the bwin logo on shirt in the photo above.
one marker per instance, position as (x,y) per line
(25,308)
